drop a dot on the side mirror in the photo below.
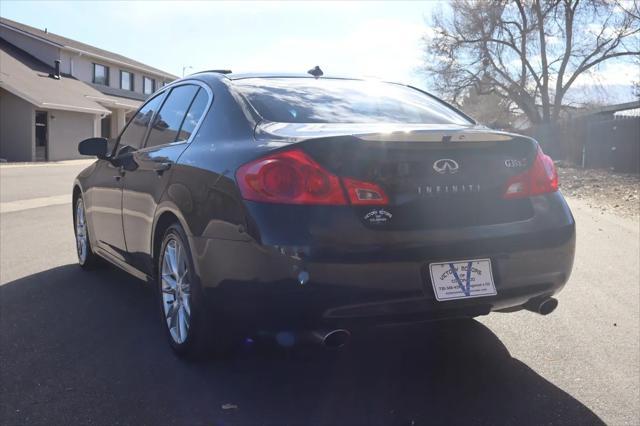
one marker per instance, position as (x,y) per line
(94,146)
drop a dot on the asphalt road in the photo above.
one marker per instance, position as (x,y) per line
(82,347)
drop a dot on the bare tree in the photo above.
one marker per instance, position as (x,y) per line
(636,83)
(527,52)
(489,109)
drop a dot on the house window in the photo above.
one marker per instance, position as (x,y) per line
(148,85)
(126,80)
(100,74)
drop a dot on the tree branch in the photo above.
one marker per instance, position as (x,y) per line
(569,11)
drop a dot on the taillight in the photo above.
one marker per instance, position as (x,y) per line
(541,178)
(292,177)
(289,177)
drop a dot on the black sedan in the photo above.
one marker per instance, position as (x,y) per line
(301,205)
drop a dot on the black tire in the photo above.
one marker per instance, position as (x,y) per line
(87,259)
(204,340)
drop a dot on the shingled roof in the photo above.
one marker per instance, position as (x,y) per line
(69,44)
(28,78)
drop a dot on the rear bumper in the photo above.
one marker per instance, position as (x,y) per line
(357,275)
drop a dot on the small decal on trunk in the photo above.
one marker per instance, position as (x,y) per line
(378,217)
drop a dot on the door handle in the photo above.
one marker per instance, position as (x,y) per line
(120,174)
(161,167)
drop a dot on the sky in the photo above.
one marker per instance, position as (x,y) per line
(368,39)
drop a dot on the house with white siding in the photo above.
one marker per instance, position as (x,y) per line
(55,92)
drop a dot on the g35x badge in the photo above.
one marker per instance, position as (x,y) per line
(513,163)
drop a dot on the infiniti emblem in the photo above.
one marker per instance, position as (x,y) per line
(446,165)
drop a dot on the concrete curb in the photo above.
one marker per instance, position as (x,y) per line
(79,162)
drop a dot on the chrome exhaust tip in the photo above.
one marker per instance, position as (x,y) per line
(542,306)
(334,338)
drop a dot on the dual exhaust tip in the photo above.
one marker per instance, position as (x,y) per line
(333,338)
(330,338)
(542,306)
(340,337)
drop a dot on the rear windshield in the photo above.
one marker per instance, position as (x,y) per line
(305,100)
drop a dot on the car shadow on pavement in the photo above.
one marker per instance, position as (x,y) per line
(81,347)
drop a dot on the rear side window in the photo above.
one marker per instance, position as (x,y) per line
(166,125)
(133,135)
(306,100)
(194,115)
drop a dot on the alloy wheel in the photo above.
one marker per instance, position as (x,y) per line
(176,290)
(81,232)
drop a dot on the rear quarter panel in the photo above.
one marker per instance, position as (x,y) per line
(202,191)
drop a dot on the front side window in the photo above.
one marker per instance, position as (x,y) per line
(148,85)
(126,80)
(305,100)
(133,134)
(100,74)
(166,125)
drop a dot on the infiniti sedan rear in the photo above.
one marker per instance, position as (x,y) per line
(317,206)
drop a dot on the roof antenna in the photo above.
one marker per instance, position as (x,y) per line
(316,72)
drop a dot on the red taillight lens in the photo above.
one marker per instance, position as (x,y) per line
(364,193)
(289,177)
(541,178)
(292,177)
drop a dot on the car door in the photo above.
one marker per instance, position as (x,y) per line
(168,136)
(103,204)
(104,195)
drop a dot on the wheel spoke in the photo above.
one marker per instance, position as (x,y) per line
(182,323)
(186,305)
(80,229)
(183,276)
(169,311)
(180,262)
(185,289)
(174,334)
(166,266)
(178,327)
(172,319)
(171,255)
(169,282)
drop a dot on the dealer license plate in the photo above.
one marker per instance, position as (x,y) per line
(462,279)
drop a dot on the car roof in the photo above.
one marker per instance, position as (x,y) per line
(241,76)
(223,74)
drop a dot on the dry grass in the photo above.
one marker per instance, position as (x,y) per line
(602,189)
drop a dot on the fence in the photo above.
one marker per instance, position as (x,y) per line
(595,141)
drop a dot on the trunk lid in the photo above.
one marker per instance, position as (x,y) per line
(435,176)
